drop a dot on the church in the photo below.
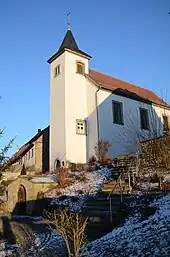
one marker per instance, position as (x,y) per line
(87,106)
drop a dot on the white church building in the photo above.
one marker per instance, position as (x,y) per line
(87,106)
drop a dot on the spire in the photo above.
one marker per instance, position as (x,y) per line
(68,43)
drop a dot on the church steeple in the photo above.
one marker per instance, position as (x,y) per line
(69,43)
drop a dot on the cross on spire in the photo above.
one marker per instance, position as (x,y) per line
(69,20)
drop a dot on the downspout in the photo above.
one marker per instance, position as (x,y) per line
(97,113)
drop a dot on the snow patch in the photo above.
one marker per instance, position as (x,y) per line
(92,184)
(47,179)
(150,237)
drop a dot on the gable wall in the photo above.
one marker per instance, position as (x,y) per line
(123,138)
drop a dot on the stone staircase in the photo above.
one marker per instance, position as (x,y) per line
(116,187)
(98,212)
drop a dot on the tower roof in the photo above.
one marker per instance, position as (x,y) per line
(68,43)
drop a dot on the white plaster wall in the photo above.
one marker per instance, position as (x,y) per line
(75,108)
(160,111)
(57,112)
(124,138)
(92,134)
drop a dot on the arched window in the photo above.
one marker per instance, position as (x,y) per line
(57,163)
(21,194)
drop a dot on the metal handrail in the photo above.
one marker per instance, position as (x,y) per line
(113,188)
(110,198)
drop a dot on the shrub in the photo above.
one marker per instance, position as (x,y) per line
(72,228)
(62,176)
(79,167)
(156,155)
(92,160)
(108,162)
(72,166)
(101,149)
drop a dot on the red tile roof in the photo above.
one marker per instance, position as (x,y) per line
(20,152)
(27,146)
(111,83)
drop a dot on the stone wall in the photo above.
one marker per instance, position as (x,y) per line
(32,190)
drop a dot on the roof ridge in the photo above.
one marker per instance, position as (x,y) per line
(112,83)
(121,80)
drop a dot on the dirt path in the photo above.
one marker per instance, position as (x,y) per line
(35,238)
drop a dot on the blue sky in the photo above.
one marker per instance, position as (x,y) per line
(128,39)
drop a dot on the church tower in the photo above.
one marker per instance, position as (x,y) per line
(68,103)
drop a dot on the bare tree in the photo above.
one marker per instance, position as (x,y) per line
(156,155)
(101,149)
(4,160)
(72,228)
(132,135)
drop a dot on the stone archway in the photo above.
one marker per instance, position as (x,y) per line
(22,198)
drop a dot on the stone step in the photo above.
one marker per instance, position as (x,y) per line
(102,195)
(104,200)
(113,182)
(95,213)
(101,208)
(104,204)
(114,189)
(109,190)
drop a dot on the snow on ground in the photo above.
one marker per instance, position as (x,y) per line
(51,243)
(6,249)
(167,178)
(18,217)
(148,186)
(92,184)
(41,179)
(44,244)
(73,205)
(149,237)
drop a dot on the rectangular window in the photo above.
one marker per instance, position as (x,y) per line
(165,123)
(117,112)
(32,152)
(57,71)
(144,118)
(81,127)
(28,155)
(20,161)
(80,68)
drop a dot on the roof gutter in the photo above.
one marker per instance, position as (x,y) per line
(97,112)
(99,87)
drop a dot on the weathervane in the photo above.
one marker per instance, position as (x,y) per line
(69,20)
